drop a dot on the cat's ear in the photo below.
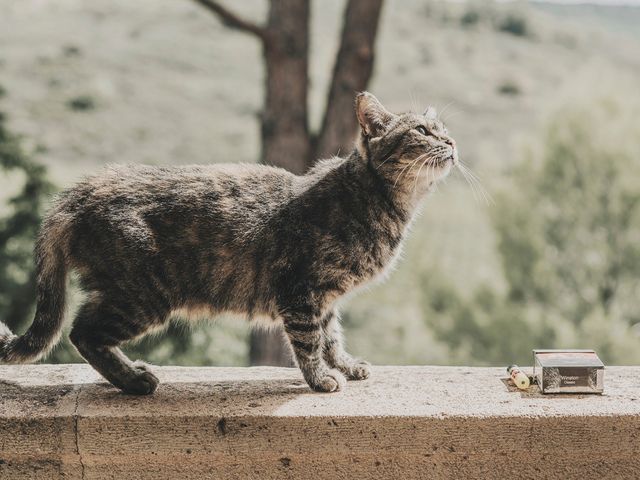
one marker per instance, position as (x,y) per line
(372,116)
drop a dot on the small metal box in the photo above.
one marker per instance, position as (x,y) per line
(568,371)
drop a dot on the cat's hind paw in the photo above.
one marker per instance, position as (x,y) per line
(143,383)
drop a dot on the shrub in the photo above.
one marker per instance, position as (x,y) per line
(514,24)
(568,239)
(71,51)
(18,230)
(469,18)
(509,88)
(82,103)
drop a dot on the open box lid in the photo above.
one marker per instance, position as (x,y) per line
(567,358)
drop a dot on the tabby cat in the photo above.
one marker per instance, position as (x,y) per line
(152,242)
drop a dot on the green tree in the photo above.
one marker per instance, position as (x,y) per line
(578,219)
(18,229)
(569,240)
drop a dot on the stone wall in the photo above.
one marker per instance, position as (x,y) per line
(63,421)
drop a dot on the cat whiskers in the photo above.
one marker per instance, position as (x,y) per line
(405,169)
(452,113)
(413,101)
(432,170)
(444,110)
(464,170)
(390,157)
(475,184)
(433,179)
(430,166)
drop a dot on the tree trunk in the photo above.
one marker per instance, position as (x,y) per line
(269,348)
(351,74)
(285,131)
(286,140)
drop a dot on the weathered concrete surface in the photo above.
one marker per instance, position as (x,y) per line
(63,421)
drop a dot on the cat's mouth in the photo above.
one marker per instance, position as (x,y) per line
(441,161)
(452,157)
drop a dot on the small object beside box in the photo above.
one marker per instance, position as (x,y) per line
(518,377)
(568,371)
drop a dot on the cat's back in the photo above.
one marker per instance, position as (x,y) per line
(146,204)
(130,187)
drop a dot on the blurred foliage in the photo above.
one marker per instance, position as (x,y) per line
(223,343)
(202,345)
(512,19)
(509,88)
(515,24)
(18,229)
(470,18)
(569,239)
(82,103)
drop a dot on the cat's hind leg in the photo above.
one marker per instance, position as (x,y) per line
(335,354)
(97,331)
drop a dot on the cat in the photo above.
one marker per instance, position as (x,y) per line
(151,242)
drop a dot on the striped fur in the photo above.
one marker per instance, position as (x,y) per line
(256,240)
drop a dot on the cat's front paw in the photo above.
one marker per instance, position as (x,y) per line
(331,381)
(357,370)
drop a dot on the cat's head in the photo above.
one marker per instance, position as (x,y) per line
(410,150)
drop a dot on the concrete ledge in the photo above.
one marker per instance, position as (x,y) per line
(63,421)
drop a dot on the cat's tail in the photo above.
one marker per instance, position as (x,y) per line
(44,332)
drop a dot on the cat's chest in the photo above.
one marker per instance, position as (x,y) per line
(367,258)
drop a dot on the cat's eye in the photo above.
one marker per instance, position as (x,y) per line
(422,130)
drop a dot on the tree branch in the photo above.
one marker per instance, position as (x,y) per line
(232,20)
(351,73)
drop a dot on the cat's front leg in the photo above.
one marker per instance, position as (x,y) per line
(306,335)
(335,354)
